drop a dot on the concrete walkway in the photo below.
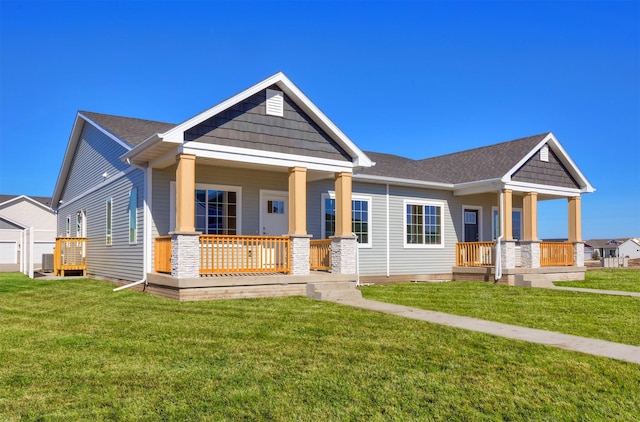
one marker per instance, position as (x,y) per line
(600,292)
(564,341)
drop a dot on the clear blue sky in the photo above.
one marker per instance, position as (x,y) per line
(417,79)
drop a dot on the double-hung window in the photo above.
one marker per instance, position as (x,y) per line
(109,222)
(360,217)
(217,208)
(423,224)
(516,221)
(133,220)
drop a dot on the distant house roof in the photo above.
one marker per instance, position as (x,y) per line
(43,200)
(607,243)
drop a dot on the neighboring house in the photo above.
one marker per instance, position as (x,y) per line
(25,220)
(250,185)
(619,247)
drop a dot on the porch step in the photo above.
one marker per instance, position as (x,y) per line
(339,290)
(533,280)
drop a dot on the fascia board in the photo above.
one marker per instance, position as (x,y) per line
(564,158)
(27,198)
(278,160)
(544,189)
(72,143)
(402,182)
(13,221)
(478,186)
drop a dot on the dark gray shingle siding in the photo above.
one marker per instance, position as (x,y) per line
(552,173)
(246,125)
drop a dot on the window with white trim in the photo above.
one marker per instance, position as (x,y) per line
(360,217)
(133,216)
(68,231)
(423,224)
(109,221)
(516,222)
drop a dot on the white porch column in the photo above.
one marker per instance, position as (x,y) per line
(185,241)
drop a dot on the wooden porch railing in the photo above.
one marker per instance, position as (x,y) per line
(474,254)
(220,254)
(162,254)
(320,254)
(70,255)
(556,254)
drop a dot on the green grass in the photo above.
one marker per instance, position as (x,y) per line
(608,279)
(75,350)
(605,317)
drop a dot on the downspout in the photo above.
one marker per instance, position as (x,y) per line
(498,271)
(144,234)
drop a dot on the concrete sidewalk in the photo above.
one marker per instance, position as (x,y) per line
(600,292)
(564,341)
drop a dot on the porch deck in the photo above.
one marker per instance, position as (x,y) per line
(69,255)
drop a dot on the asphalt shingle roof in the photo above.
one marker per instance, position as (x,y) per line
(133,131)
(44,200)
(489,162)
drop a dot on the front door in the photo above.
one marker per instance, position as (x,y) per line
(274,213)
(471,233)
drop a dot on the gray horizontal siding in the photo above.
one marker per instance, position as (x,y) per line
(552,173)
(95,155)
(119,260)
(247,125)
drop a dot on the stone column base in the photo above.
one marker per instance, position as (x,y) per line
(300,254)
(185,254)
(343,254)
(578,254)
(530,250)
(508,254)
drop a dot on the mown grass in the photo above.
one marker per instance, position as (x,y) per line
(74,350)
(608,279)
(605,317)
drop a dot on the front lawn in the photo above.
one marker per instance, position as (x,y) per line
(605,317)
(75,350)
(608,279)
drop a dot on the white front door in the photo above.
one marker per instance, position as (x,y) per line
(274,213)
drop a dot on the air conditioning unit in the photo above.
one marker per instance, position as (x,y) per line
(47,262)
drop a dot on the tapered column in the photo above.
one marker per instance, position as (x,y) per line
(507,208)
(530,215)
(343,204)
(298,201)
(575,219)
(185,193)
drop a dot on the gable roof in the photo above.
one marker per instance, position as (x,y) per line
(42,201)
(483,166)
(131,130)
(162,142)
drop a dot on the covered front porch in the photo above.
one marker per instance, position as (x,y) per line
(528,260)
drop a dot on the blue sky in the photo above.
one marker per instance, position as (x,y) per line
(417,79)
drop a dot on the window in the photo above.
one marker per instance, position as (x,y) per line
(68,231)
(80,224)
(275,207)
(360,217)
(216,211)
(423,224)
(109,221)
(133,220)
(516,221)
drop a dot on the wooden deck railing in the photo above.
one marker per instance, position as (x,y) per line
(474,254)
(320,254)
(221,254)
(556,254)
(162,254)
(70,255)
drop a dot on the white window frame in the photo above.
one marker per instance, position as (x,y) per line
(135,219)
(495,232)
(423,203)
(205,186)
(363,198)
(108,222)
(68,226)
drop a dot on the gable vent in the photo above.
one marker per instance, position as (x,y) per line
(275,102)
(544,154)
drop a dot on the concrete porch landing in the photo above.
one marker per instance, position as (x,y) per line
(319,285)
(525,277)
